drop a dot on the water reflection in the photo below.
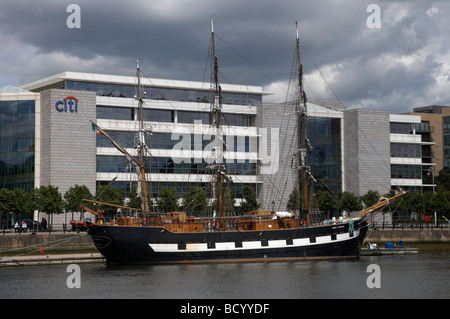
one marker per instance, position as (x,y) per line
(414,276)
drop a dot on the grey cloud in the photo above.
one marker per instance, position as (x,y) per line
(172,39)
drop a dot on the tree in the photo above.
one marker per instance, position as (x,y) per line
(194,201)
(109,195)
(370,198)
(442,181)
(74,197)
(326,202)
(5,205)
(250,201)
(413,202)
(295,201)
(47,199)
(227,200)
(134,201)
(438,202)
(168,200)
(348,201)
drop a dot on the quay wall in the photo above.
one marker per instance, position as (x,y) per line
(411,235)
(54,241)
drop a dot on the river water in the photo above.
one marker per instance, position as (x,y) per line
(425,275)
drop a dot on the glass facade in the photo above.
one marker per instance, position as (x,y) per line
(164,141)
(166,165)
(325,138)
(17,132)
(158,93)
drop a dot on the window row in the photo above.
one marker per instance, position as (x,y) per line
(401,128)
(158,93)
(166,165)
(168,116)
(406,150)
(168,141)
(406,171)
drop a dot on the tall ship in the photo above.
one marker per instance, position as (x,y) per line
(143,236)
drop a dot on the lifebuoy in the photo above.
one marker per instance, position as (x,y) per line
(41,250)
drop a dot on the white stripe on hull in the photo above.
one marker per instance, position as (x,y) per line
(226,246)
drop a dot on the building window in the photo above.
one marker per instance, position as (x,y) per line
(406,171)
(157,115)
(193,117)
(325,138)
(17,132)
(406,150)
(401,128)
(115,113)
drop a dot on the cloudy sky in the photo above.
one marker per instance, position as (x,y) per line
(400,65)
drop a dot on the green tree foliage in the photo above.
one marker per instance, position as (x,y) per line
(326,202)
(442,181)
(110,195)
(134,200)
(250,202)
(168,200)
(228,202)
(348,201)
(74,197)
(5,204)
(413,202)
(438,202)
(49,200)
(295,201)
(370,198)
(194,201)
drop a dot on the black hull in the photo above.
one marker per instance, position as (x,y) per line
(127,245)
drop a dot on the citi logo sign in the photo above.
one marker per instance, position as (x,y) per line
(69,101)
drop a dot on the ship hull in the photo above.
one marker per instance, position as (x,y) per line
(128,245)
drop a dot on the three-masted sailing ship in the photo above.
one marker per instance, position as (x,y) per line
(256,236)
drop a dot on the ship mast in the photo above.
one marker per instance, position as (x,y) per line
(216,122)
(141,147)
(302,118)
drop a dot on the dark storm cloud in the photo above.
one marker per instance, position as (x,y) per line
(400,65)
